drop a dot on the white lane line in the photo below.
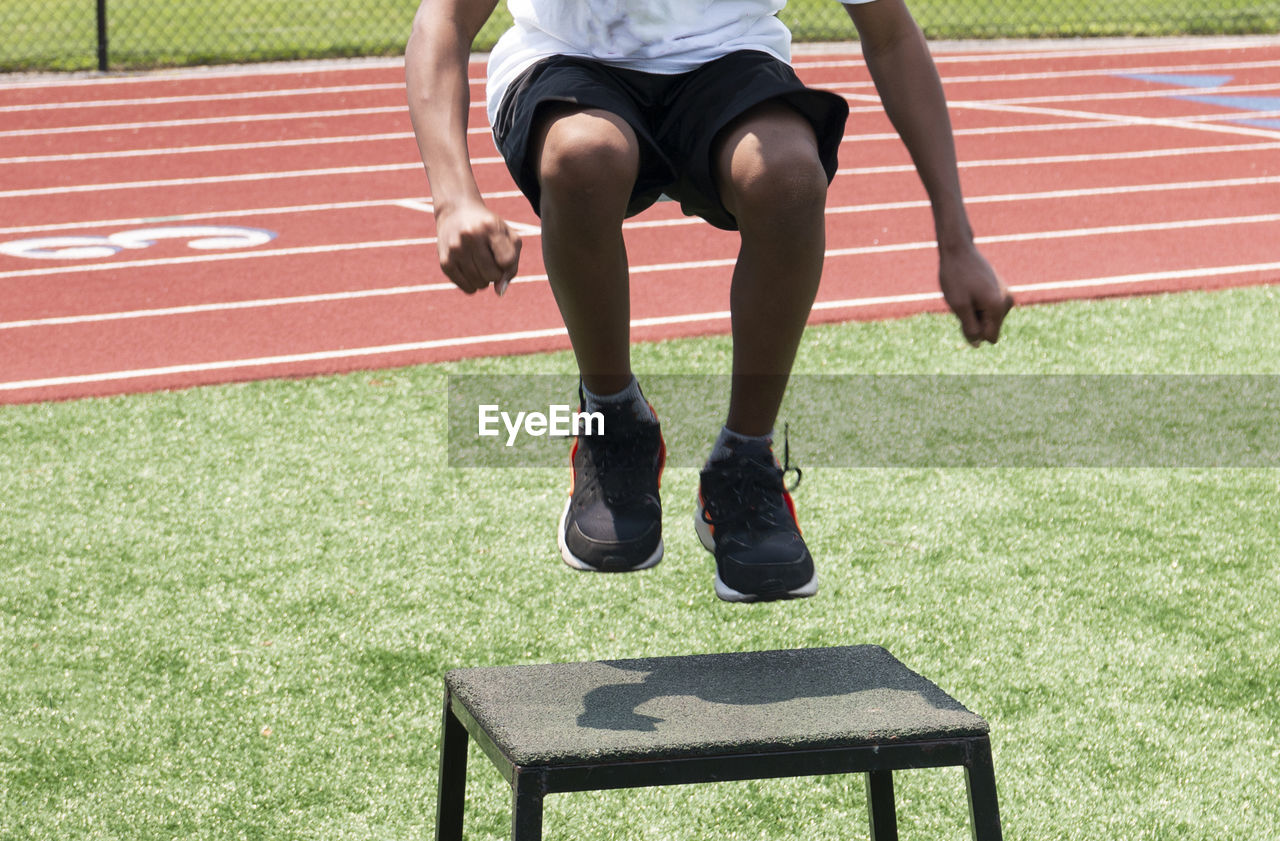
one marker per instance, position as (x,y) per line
(237,96)
(195,74)
(209,148)
(479,105)
(1179,69)
(338,113)
(221,214)
(408,135)
(1193,123)
(403,109)
(331,248)
(1047,50)
(1221,122)
(1102,73)
(1050,53)
(225,306)
(239,178)
(1043,160)
(555,332)
(1089,120)
(1002,198)
(423,204)
(495,160)
(246,95)
(160,151)
(1064,285)
(331,297)
(1158,93)
(285,359)
(203,121)
(1042,127)
(223,120)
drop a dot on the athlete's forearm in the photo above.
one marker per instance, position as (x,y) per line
(909,87)
(436,75)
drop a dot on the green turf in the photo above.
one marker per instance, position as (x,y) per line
(62,34)
(225,612)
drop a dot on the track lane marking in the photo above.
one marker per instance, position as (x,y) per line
(1054,160)
(494,160)
(219,214)
(331,297)
(1116,96)
(209,148)
(1088,73)
(1194,123)
(225,120)
(1048,52)
(236,96)
(238,178)
(160,151)
(556,332)
(942,54)
(839,210)
(276,93)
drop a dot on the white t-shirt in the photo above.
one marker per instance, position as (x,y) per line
(657,36)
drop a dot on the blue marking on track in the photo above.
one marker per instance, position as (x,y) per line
(1242,102)
(1179,80)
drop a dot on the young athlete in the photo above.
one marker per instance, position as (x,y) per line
(601,106)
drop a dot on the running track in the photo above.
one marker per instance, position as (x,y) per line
(206,226)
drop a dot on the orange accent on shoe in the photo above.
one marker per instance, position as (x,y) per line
(573,474)
(702,508)
(791,506)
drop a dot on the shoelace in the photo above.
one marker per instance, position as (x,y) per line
(618,459)
(753,490)
(787,466)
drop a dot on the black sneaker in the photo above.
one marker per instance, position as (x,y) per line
(746,518)
(613,519)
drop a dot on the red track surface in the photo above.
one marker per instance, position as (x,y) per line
(1081,182)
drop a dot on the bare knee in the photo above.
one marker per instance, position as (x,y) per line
(588,158)
(770,171)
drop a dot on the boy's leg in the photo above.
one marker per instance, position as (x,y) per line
(587,163)
(772,180)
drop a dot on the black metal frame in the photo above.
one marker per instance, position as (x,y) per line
(530,784)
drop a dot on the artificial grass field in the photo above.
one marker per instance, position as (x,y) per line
(225,612)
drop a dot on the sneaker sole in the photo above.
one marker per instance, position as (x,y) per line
(726,593)
(577,563)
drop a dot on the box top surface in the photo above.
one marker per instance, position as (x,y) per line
(707,704)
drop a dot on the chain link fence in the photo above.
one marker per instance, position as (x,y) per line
(136,34)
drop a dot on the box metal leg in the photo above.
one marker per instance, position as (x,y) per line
(880,805)
(527,792)
(453,776)
(980,777)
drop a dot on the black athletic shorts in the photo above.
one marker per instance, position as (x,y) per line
(675,117)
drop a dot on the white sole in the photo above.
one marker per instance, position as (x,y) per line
(577,563)
(723,591)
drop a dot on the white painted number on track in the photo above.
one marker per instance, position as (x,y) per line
(201,237)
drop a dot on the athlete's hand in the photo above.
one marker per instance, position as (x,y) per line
(477,249)
(974,292)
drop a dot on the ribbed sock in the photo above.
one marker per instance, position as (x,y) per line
(728,437)
(631,396)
